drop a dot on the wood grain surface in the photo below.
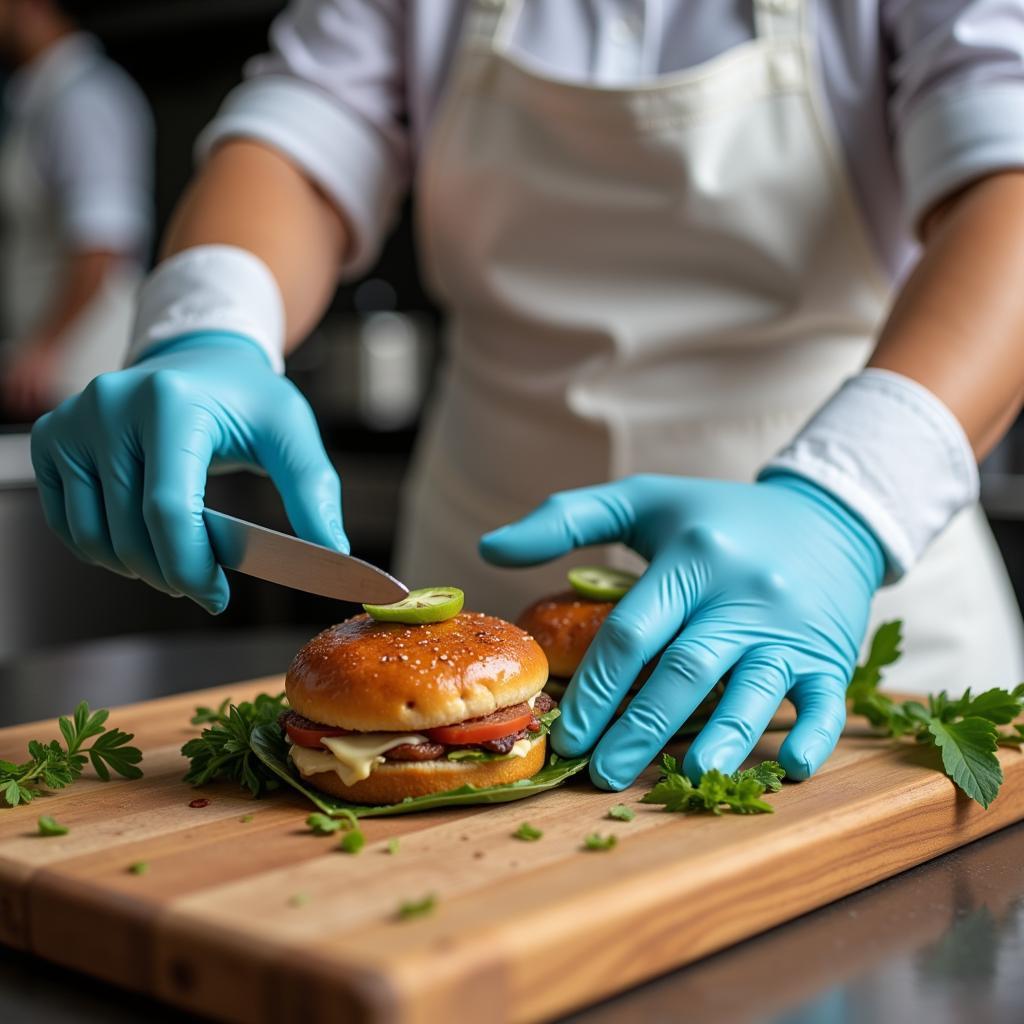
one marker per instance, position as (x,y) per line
(259,920)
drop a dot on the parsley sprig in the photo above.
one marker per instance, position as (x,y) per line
(716,792)
(53,766)
(223,750)
(966,730)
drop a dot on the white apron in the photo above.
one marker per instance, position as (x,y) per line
(33,263)
(669,277)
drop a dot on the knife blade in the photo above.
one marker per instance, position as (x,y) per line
(280,558)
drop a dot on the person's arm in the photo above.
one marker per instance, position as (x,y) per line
(959,320)
(26,378)
(250,196)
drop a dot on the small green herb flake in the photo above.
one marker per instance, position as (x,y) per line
(298,899)
(527,833)
(49,827)
(392,847)
(245,819)
(140,867)
(352,841)
(323,824)
(417,908)
(620,812)
(599,842)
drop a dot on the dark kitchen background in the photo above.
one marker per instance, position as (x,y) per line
(366,371)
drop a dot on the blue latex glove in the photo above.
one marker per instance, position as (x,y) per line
(772,580)
(122,466)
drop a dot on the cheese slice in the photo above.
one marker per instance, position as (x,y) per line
(521,748)
(352,758)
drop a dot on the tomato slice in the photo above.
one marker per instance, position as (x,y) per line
(477,730)
(304,733)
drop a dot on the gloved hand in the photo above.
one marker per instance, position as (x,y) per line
(122,466)
(772,580)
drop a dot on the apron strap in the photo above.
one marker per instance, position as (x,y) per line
(490,23)
(778,19)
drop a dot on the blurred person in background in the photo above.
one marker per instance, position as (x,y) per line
(76,153)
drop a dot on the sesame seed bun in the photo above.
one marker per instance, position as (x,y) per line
(374,676)
(564,625)
(393,781)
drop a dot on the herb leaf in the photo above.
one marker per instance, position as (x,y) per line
(964,729)
(599,842)
(223,750)
(527,833)
(53,766)
(620,812)
(417,908)
(740,792)
(968,755)
(49,827)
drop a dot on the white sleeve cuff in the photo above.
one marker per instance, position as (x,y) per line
(210,288)
(958,136)
(894,454)
(348,158)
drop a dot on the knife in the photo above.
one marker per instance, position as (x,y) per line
(291,562)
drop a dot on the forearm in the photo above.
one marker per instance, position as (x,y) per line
(84,278)
(247,195)
(957,326)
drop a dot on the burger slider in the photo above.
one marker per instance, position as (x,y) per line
(384,710)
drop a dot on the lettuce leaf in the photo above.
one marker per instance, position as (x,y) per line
(269,745)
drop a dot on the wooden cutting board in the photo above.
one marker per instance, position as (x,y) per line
(259,920)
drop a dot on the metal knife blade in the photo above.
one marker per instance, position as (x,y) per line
(291,562)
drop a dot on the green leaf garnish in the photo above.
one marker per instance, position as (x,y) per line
(964,729)
(620,812)
(392,847)
(417,908)
(599,842)
(739,792)
(298,899)
(140,867)
(53,766)
(223,750)
(527,833)
(49,827)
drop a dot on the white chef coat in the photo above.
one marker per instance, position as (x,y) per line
(927,95)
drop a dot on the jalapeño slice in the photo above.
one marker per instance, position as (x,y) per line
(600,583)
(429,604)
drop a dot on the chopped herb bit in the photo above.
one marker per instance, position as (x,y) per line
(49,827)
(328,824)
(245,819)
(352,841)
(620,812)
(323,824)
(52,766)
(417,908)
(140,867)
(298,899)
(527,833)
(599,842)
(392,847)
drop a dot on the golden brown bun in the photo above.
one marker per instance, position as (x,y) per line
(564,625)
(385,677)
(393,781)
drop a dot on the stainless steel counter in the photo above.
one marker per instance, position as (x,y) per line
(940,944)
